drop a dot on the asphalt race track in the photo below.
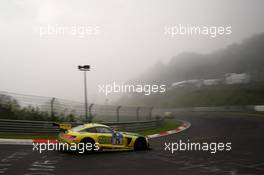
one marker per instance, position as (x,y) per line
(246,157)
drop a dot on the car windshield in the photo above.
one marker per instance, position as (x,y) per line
(77,128)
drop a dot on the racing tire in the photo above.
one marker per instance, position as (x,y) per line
(87,141)
(140,144)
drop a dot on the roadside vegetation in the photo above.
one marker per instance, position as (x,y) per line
(245,57)
(10,109)
(221,95)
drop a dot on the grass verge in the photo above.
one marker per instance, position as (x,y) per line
(166,126)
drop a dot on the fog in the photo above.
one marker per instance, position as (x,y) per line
(130,39)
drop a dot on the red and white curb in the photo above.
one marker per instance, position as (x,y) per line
(185,125)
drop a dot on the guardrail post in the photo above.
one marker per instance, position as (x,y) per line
(137,112)
(52,108)
(150,112)
(90,111)
(117,113)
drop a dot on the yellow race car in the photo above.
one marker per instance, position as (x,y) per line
(101,137)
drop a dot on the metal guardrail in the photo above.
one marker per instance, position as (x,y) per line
(30,107)
(20,106)
(247,108)
(136,125)
(25,126)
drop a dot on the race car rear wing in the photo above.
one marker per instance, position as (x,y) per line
(63,126)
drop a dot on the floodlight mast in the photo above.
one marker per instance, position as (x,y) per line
(85,68)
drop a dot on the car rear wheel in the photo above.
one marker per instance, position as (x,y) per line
(86,141)
(140,144)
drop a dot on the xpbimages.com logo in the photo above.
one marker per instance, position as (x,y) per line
(212,147)
(58,146)
(146,89)
(55,30)
(191,30)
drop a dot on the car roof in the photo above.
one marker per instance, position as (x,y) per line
(89,125)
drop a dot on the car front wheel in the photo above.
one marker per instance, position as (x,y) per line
(140,144)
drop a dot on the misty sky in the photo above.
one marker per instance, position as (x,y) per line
(131,40)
